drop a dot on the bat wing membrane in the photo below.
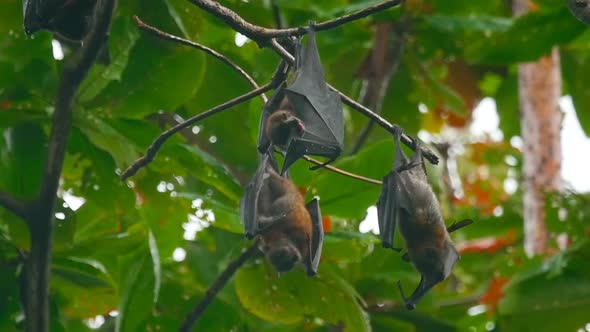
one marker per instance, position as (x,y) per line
(250,201)
(317,239)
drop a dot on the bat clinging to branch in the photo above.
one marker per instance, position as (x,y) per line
(408,202)
(69,20)
(273,208)
(313,122)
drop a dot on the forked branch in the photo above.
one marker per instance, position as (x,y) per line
(262,35)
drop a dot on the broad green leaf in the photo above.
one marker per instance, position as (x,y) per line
(137,290)
(22,157)
(539,31)
(294,296)
(573,63)
(345,197)
(558,290)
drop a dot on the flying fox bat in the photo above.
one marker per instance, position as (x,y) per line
(291,232)
(69,20)
(312,122)
(408,202)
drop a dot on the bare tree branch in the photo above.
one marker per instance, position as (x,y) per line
(261,35)
(216,286)
(407,140)
(40,218)
(166,36)
(13,205)
(342,172)
(159,142)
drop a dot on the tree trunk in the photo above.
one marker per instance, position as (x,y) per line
(539,85)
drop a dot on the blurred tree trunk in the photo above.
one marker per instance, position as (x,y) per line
(539,86)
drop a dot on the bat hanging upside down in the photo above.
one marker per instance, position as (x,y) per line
(304,117)
(290,231)
(407,201)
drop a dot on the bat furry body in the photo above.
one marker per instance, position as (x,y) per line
(408,202)
(272,208)
(317,110)
(286,224)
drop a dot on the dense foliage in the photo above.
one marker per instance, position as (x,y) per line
(113,260)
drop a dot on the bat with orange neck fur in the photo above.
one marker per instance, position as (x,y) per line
(273,208)
(408,202)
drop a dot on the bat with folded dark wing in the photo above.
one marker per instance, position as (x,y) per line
(291,232)
(408,202)
(303,117)
(69,20)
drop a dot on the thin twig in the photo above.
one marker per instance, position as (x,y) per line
(392,128)
(261,35)
(342,172)
(216,286)
(159,142)
(13,205)
(166,36)
(40,217)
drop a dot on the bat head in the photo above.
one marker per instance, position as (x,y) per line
(282,125)
(282,254)
(435,264)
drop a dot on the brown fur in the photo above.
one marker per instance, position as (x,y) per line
(292,232)
(282,124)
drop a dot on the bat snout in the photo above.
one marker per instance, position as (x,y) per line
(297,124)
(283,259)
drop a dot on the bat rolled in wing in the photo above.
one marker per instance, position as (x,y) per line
(408,202)
(291,232)
(69,20)
(304,117)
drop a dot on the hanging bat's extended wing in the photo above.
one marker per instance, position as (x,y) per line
(408,203)
(316,106)
(255,192)
(317,238)
(394,201)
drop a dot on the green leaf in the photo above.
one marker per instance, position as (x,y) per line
(348,198)
(105,137)
(573,63)
(22,154)
(539,31)
(141,90)
(83,273)
(137,290)
(294,296)
(155,255)
(558,291)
